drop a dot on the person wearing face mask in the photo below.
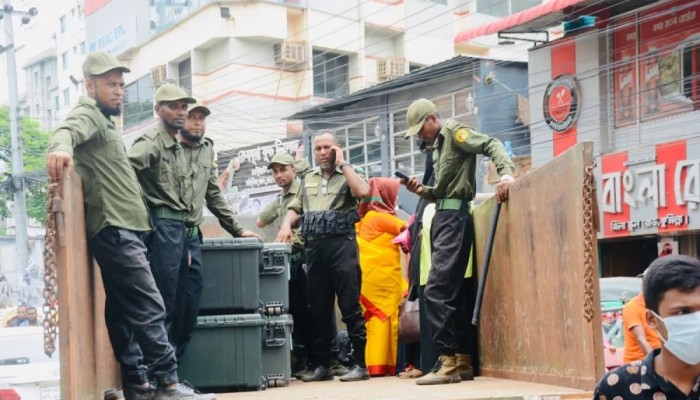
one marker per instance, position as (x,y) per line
(454,147)
(671,288)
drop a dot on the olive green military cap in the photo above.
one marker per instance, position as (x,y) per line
(302,166)
(417,112)
(281,158)
(172,92)
(101,62)
(198,105)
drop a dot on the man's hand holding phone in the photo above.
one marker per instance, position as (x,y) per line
(411,184)
(337,155)
(404,178)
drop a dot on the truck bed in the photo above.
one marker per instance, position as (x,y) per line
(392,388)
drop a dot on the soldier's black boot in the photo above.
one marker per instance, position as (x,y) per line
(356,373)
(320,373)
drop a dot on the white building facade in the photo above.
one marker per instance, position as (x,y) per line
(70,53)
(256,62)
(41,88)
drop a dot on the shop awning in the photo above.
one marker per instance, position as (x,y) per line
(535,18)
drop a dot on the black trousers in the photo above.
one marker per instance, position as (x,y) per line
(429,353)
(190,291)
(166,254)
(134,311)
(302,336)
(445,294)
(334,269)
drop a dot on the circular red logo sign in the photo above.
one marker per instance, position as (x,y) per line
(561,100)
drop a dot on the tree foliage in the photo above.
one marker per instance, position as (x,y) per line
(34,145)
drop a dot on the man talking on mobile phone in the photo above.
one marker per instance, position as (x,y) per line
(326,206)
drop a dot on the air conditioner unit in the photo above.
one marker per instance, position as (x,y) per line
(289,53)
(158,75)
(390,68)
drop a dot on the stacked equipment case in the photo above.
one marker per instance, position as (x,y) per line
(243,335)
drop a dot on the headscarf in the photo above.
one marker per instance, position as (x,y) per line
(382,198)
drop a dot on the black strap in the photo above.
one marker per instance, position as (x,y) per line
(341,192)
(412,293)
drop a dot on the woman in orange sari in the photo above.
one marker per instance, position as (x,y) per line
(382,281)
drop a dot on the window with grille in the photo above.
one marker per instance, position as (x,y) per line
(362,146)
(331,74)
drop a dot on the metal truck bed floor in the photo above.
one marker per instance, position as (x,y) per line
(392,388)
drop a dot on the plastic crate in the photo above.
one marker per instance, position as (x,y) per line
(225,353)
(274,278)
(276,353)
(231,282)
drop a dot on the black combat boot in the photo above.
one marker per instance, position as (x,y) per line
(320,373)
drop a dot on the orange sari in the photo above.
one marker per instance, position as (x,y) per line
(382,280)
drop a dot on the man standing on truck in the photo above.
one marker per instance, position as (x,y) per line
(200,157)
(166,181)
(284,173)
(117,221)
(328,201)
(455,147)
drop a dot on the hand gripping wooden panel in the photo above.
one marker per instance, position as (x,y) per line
(87,361)
(533,326)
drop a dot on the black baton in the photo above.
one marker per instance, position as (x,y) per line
(485,266)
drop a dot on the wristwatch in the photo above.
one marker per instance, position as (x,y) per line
(344,164)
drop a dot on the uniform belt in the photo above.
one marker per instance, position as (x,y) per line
(192,232)
(451,204)
(296,257)
(319,237)
(167,213)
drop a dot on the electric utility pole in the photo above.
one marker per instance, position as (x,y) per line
(20,206)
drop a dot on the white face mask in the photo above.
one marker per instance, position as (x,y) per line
(683,336)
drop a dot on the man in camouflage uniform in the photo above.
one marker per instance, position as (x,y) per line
(455,147)
(117,220)
(328,201)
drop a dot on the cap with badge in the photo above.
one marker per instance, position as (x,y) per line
(172,92)
(417,112)
(281,158)
(198,105)
(101,62)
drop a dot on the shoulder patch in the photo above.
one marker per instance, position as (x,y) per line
(462,135)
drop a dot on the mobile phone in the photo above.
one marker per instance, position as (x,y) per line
(333,155)
(401,175)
